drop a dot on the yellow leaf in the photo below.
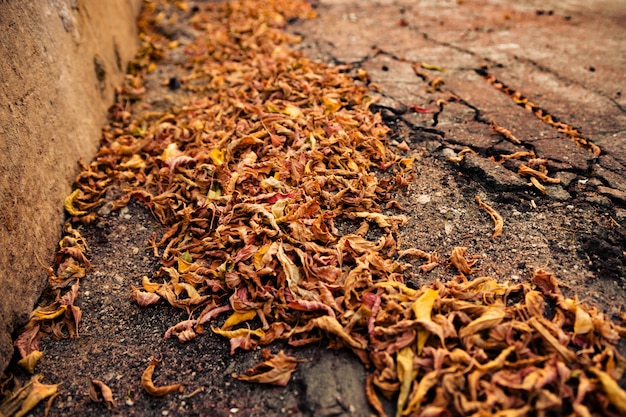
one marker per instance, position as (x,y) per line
(49,315)
(432,67)
(148,385)
(408,162)
(331,325)
(332,104)
(238,317)
(422,308)
(37,393)
(583,323)
(535,303)
(272,108)
(393,284)
(217,156)
(231,334)
(406,375)
(183,286)
(30,361)
(182,5)
(258,256)
(490,318)
(382,220)
(214,194)
(171,151)
(68,204)
(292,111)
(425,384)
(149,285)
(184,262)
(498,362)
(617,396)
(135,162)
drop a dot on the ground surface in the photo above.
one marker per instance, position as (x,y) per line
(567,58)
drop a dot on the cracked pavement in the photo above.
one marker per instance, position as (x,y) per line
(565,57)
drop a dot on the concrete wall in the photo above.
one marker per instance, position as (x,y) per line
(60,61)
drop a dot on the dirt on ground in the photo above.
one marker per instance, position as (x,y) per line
(449,77)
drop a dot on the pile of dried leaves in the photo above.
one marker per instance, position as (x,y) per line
(251,179)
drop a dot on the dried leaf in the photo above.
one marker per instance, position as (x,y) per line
(149,286)
(28,342)
(422,309)
(582,323)
(424,385)
(184,331)
(30,361)
(36,392)
(238,317)
(231,334)
(331,325)
(525,171)
(461,155)
(406,375)
(276,370)
(217,156)
(616,395)
(148,385)
(497,219)
(535,303)
(99,392)
(432,67)
(69,201)
(372,398)
(143,298)
(565,353)
(382,220)
(489,319)
(504,132)
(460,262)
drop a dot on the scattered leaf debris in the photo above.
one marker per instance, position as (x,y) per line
(250,172)
(24,398)
(540,113)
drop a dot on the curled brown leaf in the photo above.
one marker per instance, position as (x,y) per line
(495,216)
(276,370)
(99,392)
(459,260)
(150,388)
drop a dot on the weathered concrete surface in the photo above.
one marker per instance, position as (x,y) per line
(60,61)
(568,58)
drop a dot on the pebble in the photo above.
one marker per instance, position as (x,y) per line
(448,152)
(423,199)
